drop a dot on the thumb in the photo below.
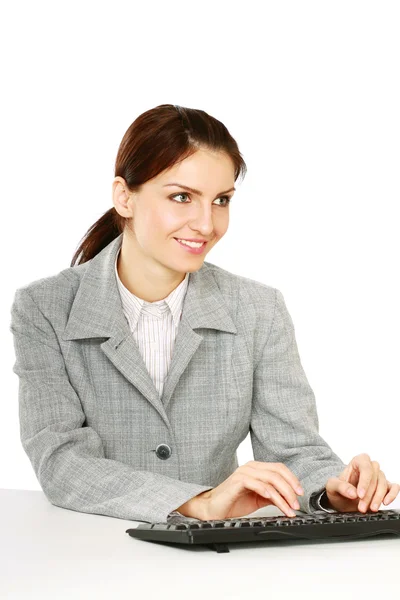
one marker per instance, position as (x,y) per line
(341,486)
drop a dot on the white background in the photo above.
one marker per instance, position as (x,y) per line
(311,93)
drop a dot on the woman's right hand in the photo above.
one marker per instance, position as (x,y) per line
(251,486)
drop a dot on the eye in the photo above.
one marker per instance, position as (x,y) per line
(226,198)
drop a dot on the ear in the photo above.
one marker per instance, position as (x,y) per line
(121,197)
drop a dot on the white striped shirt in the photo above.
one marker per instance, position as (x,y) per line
(154,326)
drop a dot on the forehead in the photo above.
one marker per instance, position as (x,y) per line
(201,170)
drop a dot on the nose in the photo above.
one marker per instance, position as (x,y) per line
(203,220)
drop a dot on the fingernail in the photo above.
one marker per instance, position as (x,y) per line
(361,492)
(299,490)
(352,493)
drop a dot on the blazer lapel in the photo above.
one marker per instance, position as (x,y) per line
(97,312)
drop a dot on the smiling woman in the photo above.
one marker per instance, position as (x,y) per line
(143,367)
(169,146)
(167,235)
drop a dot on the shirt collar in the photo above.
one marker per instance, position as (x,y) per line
(133,306)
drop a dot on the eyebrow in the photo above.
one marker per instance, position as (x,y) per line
(194,191)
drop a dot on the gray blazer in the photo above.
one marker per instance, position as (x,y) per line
(99,437)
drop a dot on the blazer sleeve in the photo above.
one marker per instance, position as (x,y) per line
(284,424)
(68,457)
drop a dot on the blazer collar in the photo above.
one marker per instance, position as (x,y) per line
(134,306)
(97,312)
(97,308)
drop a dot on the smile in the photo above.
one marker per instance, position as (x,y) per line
(193,248)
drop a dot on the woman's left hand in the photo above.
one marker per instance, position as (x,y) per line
(360,474)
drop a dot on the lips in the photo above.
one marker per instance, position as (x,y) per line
(197,241)
(192,249)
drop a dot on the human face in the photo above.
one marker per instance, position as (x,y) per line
(163,212)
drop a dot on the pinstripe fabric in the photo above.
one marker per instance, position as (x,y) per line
(154,326)
(92,416)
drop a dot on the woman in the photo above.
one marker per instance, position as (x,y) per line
(143,367)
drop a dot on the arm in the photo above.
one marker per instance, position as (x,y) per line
(68,457)
(284,422)
(318,501)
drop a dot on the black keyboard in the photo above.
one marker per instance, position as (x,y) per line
(218,533)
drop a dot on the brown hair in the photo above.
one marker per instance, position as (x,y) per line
(155,141)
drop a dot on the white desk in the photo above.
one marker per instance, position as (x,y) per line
(48,552)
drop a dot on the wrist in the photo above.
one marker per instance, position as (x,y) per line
(196,506)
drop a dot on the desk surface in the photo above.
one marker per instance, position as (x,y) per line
(52,552)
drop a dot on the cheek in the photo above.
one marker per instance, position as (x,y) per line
(221,225)
(159,222)
(168,221)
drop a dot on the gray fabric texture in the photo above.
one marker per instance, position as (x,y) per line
(90,415)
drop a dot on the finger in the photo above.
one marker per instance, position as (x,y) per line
(381,490)
(343,488)
(282,470)
(353,476)
(386,499)
(255,485)
(280,502)
(277,481)
(258,486)
(392,494)
(366,470)
(346,474)
(364,504)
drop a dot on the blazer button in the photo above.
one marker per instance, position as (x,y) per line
(163,451)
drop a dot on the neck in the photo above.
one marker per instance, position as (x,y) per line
(147,280)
